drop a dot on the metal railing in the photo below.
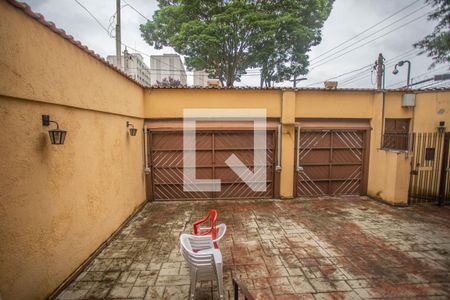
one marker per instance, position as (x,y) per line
(396,141)
(237,284)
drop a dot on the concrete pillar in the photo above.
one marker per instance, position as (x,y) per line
(388,169)
(287,144)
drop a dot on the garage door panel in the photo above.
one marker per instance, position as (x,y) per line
(347,156)
(239,140)
(332,162)
(314,156)
(345,187)
(309,187)
(174,140)
(166,141)
(169,159)
(347,139)
(242,190)
(175,175)
(233,140)
(213,149)
(345,171)
(317,172)
(315,140)
(175,192)
(228,175)
(245,156)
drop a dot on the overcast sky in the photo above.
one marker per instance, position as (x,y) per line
(348,18)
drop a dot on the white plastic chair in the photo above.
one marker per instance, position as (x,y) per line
(221,230)
(205,262)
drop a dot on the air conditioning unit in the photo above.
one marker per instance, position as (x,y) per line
(214,83)
(409,100)
(330,85)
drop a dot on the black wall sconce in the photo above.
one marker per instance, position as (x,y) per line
(132,130)
(441,127)
(57,136)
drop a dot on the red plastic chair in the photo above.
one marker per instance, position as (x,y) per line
(212,216)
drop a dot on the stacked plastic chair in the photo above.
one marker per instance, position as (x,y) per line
(201,252)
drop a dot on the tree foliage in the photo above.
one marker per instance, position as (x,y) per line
(437,43)
(168,81)
(227,37)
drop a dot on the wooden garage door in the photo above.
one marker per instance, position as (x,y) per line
(213,148)
(331,162)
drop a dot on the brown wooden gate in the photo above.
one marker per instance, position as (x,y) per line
(430,165)
(331,162)
(213,147)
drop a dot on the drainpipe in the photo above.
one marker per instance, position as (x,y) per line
(278,166)
(298,168)
(146,168)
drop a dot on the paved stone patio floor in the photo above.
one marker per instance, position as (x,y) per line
(328,248)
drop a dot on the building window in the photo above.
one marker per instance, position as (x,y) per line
(396,134)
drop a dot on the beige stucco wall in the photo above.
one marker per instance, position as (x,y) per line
(333,104)
(430,109)
(58,203)
(169,103)
(389,170)
(40,65)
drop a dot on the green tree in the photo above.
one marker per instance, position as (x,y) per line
(227,37)
(437,43)
(168,82)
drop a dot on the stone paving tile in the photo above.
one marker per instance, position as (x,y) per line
(328,248)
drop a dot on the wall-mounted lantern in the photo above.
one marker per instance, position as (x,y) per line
(57,136)
(131,129)
(441,127)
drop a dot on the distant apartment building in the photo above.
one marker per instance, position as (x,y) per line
(133,64)
(167,65)
(200,78)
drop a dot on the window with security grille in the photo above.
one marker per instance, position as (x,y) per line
(396,134)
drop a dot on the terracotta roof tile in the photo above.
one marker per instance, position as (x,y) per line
(50,25)
(155,87)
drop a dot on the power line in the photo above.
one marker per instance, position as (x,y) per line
(133,8)
(404,54)
(365,69)
(355,78)
(418,76)
(109,34)
(432,84)
(364,31)
(350,72)
(392,61)
(370,41)
(96,20)
(364,38)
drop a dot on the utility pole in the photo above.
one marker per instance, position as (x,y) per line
(380,68)
(295,80)
(118,39)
